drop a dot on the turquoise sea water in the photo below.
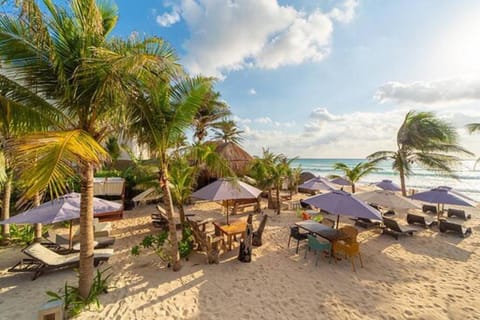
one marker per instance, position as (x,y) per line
(468,183)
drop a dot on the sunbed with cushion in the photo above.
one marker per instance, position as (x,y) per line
(394,229)
(421,220)
(429,209)
(366,223)
(445,226)
(43,259)
(458,213)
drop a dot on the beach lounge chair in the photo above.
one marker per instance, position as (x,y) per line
(42,259)
(317,246)
(297,235)
(445,226)
(421,220)
(429,209)
(257,235)
(366,223)
(394,229)
(458,213)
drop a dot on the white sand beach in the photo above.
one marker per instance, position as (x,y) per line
(427,276)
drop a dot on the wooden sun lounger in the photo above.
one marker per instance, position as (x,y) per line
(458,213)
(445,226)
(421,220)
(394,229)
(366,223)
(43,260)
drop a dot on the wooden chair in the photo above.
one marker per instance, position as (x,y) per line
(257,235)
(350,246)
(208,243)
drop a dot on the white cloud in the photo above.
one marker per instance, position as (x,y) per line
(169,18)
(252,92)
(263,120)
(346,13)
(255,33)
(430,92)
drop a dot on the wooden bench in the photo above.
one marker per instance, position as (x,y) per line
(241,205)
(208,243)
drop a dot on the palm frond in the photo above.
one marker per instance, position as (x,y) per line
(46,160)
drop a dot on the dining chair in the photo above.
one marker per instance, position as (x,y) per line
(317,246)
(297,235)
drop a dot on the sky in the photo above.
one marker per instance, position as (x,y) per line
(325,79)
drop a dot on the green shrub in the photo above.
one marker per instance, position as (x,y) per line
(70,295)
(22,234)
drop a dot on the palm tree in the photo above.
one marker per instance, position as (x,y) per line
(474,127)
(67,56)
(354,174)
(159,113)
(227,131)
(426,140)
(211,110)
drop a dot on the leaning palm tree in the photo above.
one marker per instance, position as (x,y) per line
(159,114)
(354,174)
(68,56)
(425,140)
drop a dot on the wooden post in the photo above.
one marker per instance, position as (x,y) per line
(245,252)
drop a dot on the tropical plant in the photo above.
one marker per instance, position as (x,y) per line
(210,112)
(425,140)
(113,149)
(354,174)
(68,56)
(73,302)
(159,114)
(474,127)
(227,131)
(294,177)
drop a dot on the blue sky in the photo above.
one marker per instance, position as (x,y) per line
(325,78)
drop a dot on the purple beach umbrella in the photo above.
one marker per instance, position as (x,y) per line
(317,184)
(64,208)
(227,189)
(388,185)
(341,181)
(339,202)
(443,196)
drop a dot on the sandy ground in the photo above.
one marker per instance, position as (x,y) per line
(427,276)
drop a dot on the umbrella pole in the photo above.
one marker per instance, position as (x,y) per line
(338,220)
(70,238)
(227,214)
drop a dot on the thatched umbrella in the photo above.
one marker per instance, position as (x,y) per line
(305,176)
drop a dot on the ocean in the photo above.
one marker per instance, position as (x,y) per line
(468,183)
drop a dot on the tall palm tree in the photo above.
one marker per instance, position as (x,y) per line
(474,127)
(160,112)
(354,174)
(227,131)
(68,56)
(210,113)
(426,140)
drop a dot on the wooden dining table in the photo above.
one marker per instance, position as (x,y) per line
(230,230)
(326,232)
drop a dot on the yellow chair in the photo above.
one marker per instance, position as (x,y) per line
(349,247)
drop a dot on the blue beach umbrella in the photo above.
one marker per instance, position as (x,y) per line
(317,184)
(388,185)
(342,203)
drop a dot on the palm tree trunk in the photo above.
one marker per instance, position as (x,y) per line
(279,202)
(401,172)
(7,193)
(353,187)
(85,271)
(181,212)
(167,199)
(38,226)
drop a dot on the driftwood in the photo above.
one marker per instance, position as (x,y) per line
(210,244)
(257,235)
(245,252)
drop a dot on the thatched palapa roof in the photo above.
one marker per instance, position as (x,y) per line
(237,158)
